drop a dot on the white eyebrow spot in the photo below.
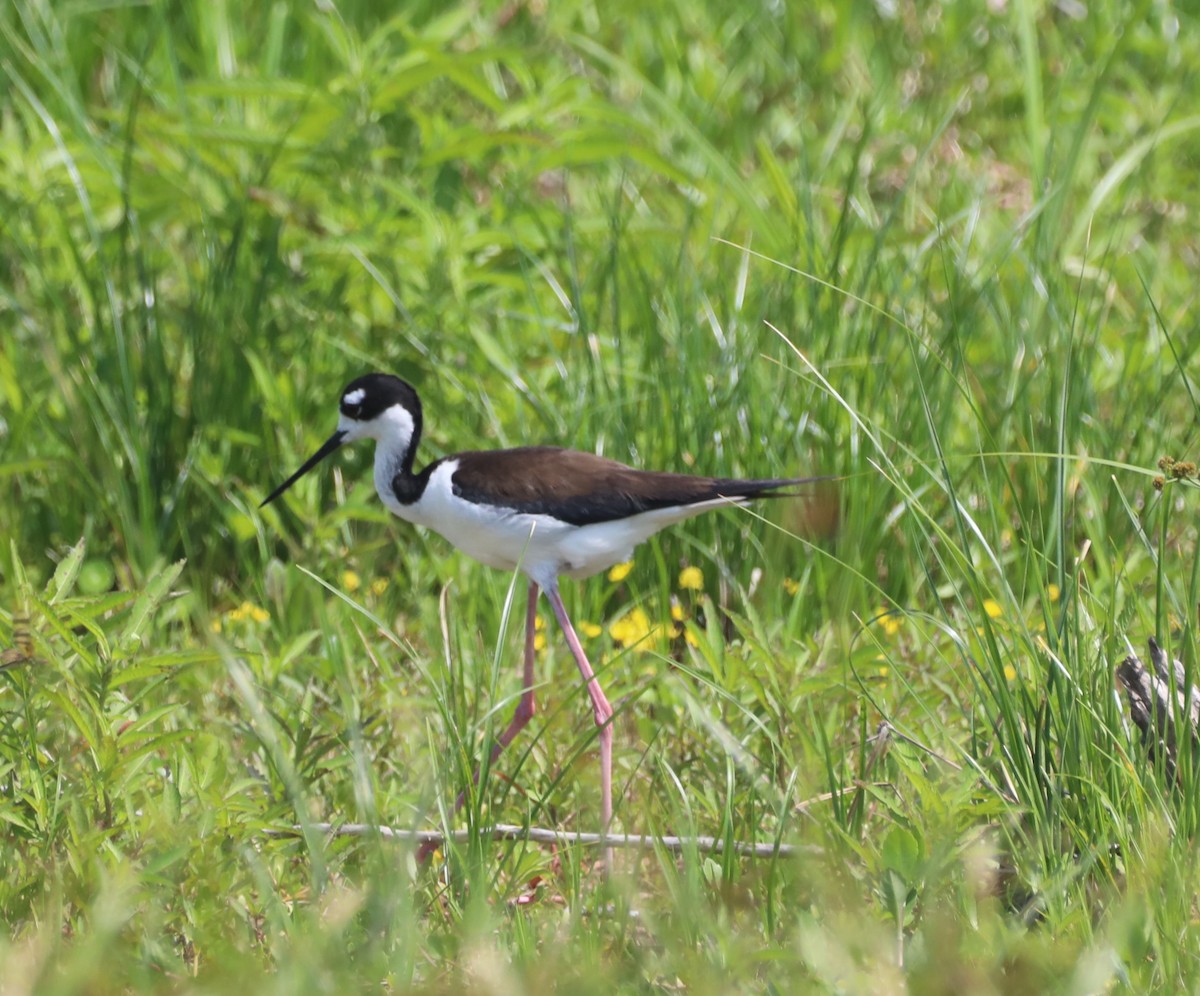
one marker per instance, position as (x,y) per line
(354,397)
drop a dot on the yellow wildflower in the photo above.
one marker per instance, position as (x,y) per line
(890,622)
(215,625)
(539,641)
(691,578)
(1010,672)
(590,630)
(620,572)
(677,612)
(992,608)
(379,586)
(631,628)
(247,610)
(1053,592)
(791,585)
(351,581)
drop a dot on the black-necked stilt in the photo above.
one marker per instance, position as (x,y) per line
(540,509)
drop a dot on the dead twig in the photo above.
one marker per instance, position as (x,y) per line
(541,835)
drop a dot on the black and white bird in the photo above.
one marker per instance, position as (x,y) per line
(546,511)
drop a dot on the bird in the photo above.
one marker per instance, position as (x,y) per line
(545,511)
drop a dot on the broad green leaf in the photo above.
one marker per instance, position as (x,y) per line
(67,573)
(901,853)
(157,589)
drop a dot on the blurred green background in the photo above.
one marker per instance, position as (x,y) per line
(946,250)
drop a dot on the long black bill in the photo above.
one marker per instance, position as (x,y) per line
(330,444)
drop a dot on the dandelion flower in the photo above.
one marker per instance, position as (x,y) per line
(620,572)
(631,628)
(247,610)
(691,579)
(890,622)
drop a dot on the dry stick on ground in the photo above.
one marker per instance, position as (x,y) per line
(540,835)
(1158,701)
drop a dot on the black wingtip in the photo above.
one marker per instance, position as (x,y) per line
(772,487)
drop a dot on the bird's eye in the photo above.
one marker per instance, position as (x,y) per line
(352,411)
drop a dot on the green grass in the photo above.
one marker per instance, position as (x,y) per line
(947,252)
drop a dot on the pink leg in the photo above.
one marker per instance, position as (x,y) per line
(601,711)
(524,712)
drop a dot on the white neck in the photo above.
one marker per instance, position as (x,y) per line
(393,432)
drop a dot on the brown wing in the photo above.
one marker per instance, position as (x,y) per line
(582,488)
